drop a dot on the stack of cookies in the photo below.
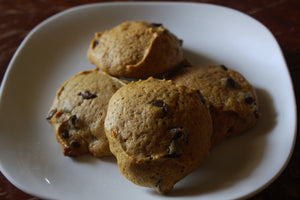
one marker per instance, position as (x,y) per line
(159,129)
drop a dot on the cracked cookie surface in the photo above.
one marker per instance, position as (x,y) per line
(232,99)
(136,49)
(78,112)
(159,132)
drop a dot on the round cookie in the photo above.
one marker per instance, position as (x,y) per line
(136,49)
(78,112)
(233,102)
(159,132)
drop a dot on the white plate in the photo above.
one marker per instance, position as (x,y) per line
(56,50)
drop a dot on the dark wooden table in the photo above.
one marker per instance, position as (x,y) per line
(282,17)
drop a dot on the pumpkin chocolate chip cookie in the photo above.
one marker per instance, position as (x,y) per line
(78,112)
(232,99)
(136,49)
(159,132)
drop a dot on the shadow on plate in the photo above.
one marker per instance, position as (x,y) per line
(198,59)
(234,160)
(90,159)
(110,159)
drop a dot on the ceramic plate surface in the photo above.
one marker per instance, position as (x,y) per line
(56,50)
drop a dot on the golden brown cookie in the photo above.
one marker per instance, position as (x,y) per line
(78,112)
(159,132)
(136,49)
(232,99)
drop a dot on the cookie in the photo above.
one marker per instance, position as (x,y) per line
(159,132)
(135,49)
(78,112)
(232,99)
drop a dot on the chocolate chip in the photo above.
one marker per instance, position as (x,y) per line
(73,120)
(172,150)
(231,83)
(158,186)
(68,152)
(75,144)
(201,96)
(51,114)
(156,24)
(185,63)
(175,148)
(160,104)
(249,100)
(173,155)
(87,95)
(95,43)
(228,82)
(177,132)
(180,42)
(94,138)
(224,67)
(256,114)
(65,133)
(230,130)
